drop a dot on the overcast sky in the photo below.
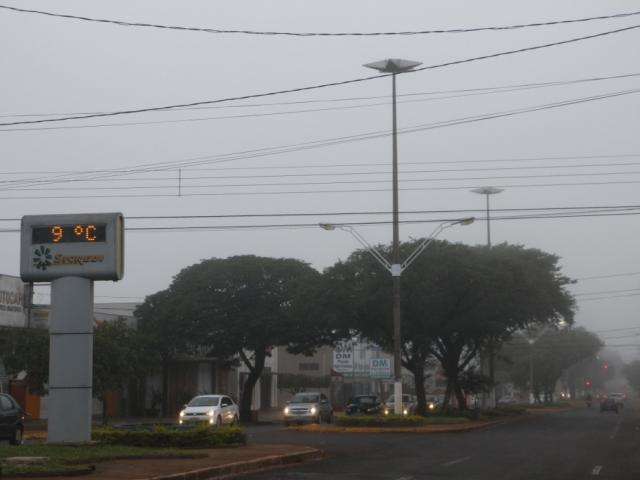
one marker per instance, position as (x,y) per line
(53,65)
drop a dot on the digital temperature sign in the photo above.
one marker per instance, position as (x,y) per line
(69,233)
(87,245)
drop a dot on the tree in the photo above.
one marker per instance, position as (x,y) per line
(27,349)
(455,299)
(167,335)
(553,353)
(244,306)
(119,357)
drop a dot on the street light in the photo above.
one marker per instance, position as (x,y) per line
(396,268)
(395,66)
(487,192)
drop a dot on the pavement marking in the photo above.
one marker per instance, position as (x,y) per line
(596,470)
(456,461)
(615,430)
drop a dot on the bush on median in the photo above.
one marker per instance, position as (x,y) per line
(395,421)
(161,437)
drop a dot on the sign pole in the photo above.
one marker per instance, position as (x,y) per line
(70,360)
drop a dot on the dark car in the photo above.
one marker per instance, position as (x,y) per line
(11,420)
(609,405)
(364,404)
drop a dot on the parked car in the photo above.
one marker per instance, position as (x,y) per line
(308,407)
(619,398)
(608,405)
(11,420)
(409,404)
(214,409)
(364,404)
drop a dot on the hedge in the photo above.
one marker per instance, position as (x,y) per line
(395,421)
(159,436)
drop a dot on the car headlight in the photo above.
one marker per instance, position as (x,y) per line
(313,410)
(286,410)
(210,413)
(181,413)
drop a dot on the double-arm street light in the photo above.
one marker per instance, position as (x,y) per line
(396,267)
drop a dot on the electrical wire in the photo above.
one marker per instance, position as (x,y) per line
(360,164)
(124,23)
(594,208)
(323,85)
(360,224)
(464,91)
(580,294)
(160,166)
(613,275)
(331,182)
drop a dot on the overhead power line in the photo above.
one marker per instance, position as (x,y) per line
(324,85)
(613,275)
(125,23)
(185,186)
(580,294)
(175,228)
(342,165)
(460,93)
(267,151)
(374,213)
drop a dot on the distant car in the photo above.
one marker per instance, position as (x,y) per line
(308,407)
(608,405)
(619,398)
(215,410)
(409,404)
(364,405)
(11,420)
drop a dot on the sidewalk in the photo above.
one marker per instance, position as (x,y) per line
(219,462)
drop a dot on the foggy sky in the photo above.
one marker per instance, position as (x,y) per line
(54,65)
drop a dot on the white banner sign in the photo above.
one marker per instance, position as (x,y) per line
(12,312)
(343,357)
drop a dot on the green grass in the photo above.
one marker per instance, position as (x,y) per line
(69,459)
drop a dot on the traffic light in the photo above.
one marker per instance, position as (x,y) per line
(587,383)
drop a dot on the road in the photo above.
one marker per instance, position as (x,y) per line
(580,444)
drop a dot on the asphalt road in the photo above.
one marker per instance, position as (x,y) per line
(581,444)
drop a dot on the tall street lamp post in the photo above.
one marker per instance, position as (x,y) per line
(487,192)
(396,270)
(395,66)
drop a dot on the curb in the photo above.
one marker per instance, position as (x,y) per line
(430,429)
(244,467)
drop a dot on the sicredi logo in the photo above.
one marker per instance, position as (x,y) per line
(43,259)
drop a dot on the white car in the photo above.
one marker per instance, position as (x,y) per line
(215,410)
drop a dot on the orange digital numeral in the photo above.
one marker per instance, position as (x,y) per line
(57,233)
(78,230)
(90,233)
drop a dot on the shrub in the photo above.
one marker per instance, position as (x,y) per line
(161,436)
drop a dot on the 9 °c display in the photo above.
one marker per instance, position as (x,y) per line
(78,233)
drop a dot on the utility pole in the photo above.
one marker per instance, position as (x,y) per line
(491,401)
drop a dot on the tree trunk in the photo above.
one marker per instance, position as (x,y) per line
(462,400)
(255,371)
(447,396)
(421,394)
(165,388)
(105,420)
